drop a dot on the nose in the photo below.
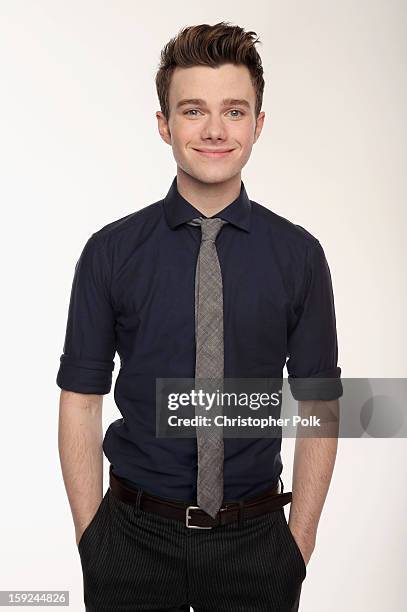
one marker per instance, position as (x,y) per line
(213,128)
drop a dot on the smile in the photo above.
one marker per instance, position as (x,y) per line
(214,154)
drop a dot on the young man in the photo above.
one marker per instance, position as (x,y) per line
(203,283)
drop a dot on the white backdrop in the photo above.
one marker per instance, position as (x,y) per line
(79,147)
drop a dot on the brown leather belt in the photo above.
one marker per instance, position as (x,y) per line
(194,517)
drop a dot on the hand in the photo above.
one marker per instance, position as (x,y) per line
(79,532)
(305,544)
(80,528)
(78,535)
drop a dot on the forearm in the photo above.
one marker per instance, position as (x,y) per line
(314,461)
(80,438)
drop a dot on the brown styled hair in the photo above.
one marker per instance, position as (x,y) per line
(209,45)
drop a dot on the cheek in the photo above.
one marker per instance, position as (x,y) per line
(183,131)
(245,135)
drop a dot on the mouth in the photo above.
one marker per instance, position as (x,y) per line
(214,154)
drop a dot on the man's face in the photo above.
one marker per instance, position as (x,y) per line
(214,121)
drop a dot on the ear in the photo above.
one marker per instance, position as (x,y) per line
(259,125)
(163,127)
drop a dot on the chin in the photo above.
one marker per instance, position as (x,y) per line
(205,173)
(213,176)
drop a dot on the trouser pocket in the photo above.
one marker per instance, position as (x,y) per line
(300,563)
(90,540)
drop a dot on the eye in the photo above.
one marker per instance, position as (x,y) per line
(191,110)
(235,110)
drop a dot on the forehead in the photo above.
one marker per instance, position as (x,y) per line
(211,83)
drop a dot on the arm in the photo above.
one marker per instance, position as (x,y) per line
(80,437)
(84,376)
(314,461)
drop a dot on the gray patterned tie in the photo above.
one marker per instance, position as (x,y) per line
(209,363)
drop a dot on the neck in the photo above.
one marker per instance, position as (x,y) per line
(208,198)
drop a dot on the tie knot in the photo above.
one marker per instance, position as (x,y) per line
(210,227)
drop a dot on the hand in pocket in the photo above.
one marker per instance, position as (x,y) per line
(80,531)
(305,547)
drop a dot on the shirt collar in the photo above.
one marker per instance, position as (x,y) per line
(178,210)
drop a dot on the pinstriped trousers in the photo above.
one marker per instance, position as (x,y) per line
(135,560)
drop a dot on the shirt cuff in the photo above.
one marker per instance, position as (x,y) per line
(324,386)
(84,376)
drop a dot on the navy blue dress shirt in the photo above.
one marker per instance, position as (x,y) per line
(133,293)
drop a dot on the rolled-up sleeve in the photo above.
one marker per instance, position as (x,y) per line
(87,362)
(312,365)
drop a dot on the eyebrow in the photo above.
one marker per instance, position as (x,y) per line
(225,102)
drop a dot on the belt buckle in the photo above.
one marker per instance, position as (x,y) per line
(188,518)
